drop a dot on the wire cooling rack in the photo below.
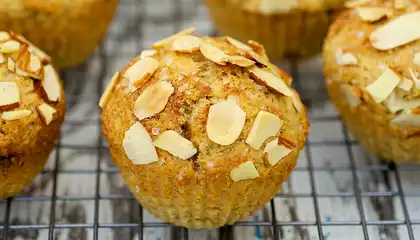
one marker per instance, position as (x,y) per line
(337,191)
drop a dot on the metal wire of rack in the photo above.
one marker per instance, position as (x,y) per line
(80,195)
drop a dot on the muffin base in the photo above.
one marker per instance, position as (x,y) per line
(372,129)
(290,35)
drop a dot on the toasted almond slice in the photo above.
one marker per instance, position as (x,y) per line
(239,60)
(239,44)
(45,58)
(384,85)
(213,54)
(106,96)
(153,100)
(414,77)
(170,39)
(356,3)
(397,32)
(351,95)
(147,53)
(416,59)
(345,58)
(270,80)
(11,65)
(4,36)
(297,102)
(51,84)
(22,73)
(14,115)
(175,144)
(258,58)
(276,152)
(186,44)
(265,125)
(46,113)
(373,14)
(395,104)
(9,96)
(244,171)
(283,141)
(138,145)
(406,118)
(140,72)
(400,4)
(2,58)
(406,84)
(10,46)
(258,48)
(34,63)
(270,6)
(225,122)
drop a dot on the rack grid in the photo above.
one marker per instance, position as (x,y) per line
(81,196)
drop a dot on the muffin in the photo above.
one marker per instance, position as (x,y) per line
(68,31)
(287,29)
(372,61)
(204,130)
(32,107)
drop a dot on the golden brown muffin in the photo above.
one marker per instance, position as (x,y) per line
(372,60)
(287,28)
(204,130)
(32,107)
(68,31)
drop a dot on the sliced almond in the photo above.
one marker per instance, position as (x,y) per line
(345,58)
(147,53)
(11,65)
(406,118)
(276,152)
(284,141)
(170,39)
(395,104)
(239,60)
(51,84)
(22,73)
(14,115)
(397,32)
(213,53)
(106,96)
(34,63)
(138,145)
(265,125)
(9,96)
(416,59)
(406,84)
(258,48)
(270,80)
(384,85)
(140,72)
(258,58)
(414,77)
(45,58)
(4,36)
(239,44)
(2,58)
(297,102)
(186,44)
(400,4)
(153,100)
(351,95)
(373,14)
(46,113)
(10,46)
(225,122)
(355,3)
(175,144)
(244,171)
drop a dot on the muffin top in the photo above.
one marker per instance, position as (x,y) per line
(204,105)
(31,96)
(373,48)
(284,6)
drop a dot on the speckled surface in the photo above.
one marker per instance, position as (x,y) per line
(325,162)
